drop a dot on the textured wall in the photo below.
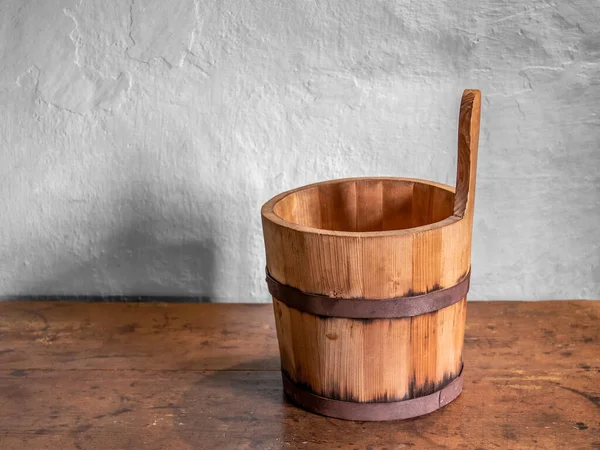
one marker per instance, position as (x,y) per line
(139,139)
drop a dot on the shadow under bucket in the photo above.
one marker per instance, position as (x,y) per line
(369,278)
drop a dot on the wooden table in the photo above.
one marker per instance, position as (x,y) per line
(187,376)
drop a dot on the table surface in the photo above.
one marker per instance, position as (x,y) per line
(187,376)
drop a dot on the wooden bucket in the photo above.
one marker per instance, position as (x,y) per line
(369,278)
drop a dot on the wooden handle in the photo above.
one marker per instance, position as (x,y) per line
(468,141)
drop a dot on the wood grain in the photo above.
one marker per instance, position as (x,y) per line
(468,144)
(375,238)
(143,336)
(97,376)
(302,255)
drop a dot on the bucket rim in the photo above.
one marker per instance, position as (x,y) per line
(268,211)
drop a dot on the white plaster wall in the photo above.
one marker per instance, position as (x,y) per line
(139,139)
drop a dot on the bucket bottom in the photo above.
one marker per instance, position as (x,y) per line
(377,411)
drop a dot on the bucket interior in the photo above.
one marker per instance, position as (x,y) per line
(367,205)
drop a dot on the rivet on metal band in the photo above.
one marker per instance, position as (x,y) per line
(361,308)
(378,411)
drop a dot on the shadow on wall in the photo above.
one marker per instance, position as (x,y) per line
(159,250)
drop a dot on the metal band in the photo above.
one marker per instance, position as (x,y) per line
(405,409)
(361,308)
